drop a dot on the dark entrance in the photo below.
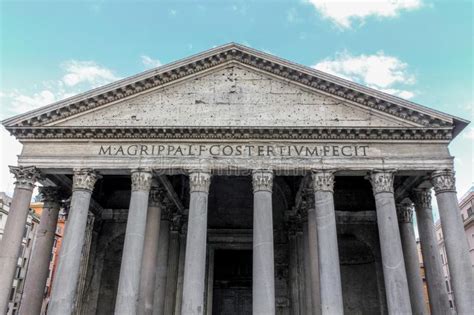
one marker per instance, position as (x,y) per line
(232,282)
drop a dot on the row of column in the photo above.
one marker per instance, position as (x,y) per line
(403,283)
(324,263)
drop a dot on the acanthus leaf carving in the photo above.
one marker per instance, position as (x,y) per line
(405,212)
(84,178)
(25,176)
(141,179)
(199,181)
(443,181)
(262,180)
(421,198)
(323,180)
(382,181)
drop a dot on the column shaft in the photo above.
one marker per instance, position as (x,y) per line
(305,309)
(457,249)
(38,271)
(66,276)
(395,277)
(293,275)
(161,267)
(150,255)
(172,278)
(14,228)
(263,281)
(179,289)
(306,275)
(410,253)
(195,263)
(127,293)
(438,295)
(329,268)
(314,259)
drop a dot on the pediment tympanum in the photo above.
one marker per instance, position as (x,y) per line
(233,95)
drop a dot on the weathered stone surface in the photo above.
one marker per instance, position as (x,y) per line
(239,96)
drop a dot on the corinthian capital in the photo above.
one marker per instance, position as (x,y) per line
(26,176)
(49,194)
(141,179)
(84,178)
(157,197)
(382,181)
(262,180)
(443,181)
(405,212)
(421,197)
(199,181)
(323,180)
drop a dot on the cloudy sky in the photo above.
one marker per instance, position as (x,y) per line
(417,49)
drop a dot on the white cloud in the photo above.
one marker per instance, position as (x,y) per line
(149,62)
(79,76)
(10,149)
(86,72)
(469,133)
(378,71)
(344,12)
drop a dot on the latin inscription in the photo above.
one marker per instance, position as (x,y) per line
(234,150)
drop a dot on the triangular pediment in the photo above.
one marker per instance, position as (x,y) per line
(234,86)
(233,95)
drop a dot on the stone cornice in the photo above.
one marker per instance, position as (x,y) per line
(305,76)
(323,133)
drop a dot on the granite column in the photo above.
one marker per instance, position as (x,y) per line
(162,265)
(172,274)
(457,249)
(329,266)
(396,283)
(14,228)
(196,241)
(66,277)
(129,281)
(38,271)
(410,253)
(263,278)
(150,253)
(438,295)
(313,252)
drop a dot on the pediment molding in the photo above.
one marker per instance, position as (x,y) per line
(244,133)
(308,77)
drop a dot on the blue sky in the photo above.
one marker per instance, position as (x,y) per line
(417,49)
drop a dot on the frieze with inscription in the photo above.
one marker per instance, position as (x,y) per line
(233,150)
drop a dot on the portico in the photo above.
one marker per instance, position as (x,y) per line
(237,178)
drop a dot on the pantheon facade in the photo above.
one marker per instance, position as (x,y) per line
(237,182)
